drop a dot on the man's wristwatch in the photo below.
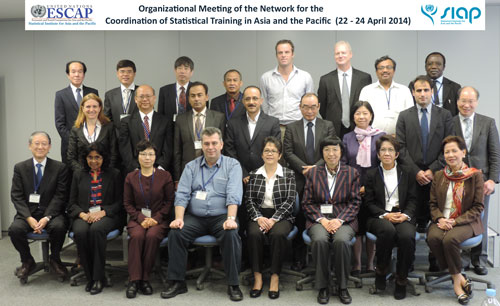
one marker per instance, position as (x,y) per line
(231,217)
(48,218)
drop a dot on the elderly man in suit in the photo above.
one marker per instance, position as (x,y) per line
(67,102)
(145,124)
(483,152)
(340,89)
(39,196)
(230,103)
(188,127)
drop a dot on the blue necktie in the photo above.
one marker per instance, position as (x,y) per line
(424,127)
(78,96)
(38,174)
(310,144)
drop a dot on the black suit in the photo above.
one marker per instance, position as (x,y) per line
(391,234)
(52,192)
(167,100)
(450,95)
(330,98)
(113,106)
(221,105)
(184,150)
(132,131)
(66,111)
(248,151)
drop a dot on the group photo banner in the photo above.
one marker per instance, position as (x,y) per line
(189,15)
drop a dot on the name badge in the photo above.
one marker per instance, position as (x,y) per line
(175,117)
(95,209)
(326,209)
(34,198)
(197,145)
(124,116)
(201,195)
(146,212)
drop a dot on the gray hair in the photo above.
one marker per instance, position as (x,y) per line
(39,133)
(209,131)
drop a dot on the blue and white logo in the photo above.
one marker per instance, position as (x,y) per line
(429,10)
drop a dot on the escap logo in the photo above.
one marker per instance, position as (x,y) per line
(429,10)
(38,11)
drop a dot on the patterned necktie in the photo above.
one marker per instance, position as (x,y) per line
(345,102)
(197,127)
(231,106)
(435,98)
(39,174)
(468,133)
(424,127)
(126,98)
(182,101)
(310,144)
(78,96)
(147,131)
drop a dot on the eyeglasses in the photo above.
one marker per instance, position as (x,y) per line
(307,107)
(385,67)
(266,151)
(142,97)
(41,144)
(95,158)
(143,154)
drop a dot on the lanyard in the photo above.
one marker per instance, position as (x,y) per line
(125,108)
(150,189)
(228,116)
(439,89)
(35,183)
(88,134)
(210,179)
(389,195)
(148,133)
(388,98)
(330,188)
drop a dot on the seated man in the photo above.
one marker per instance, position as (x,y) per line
(39,196)
(209,192)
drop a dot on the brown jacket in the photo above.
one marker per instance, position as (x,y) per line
(472,201)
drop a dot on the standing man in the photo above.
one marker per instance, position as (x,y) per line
(119,102)
(386,97)
(145,124)
(283,86)
(67,102)
(188,127)
(206,202)
(301,149)
(230,103)
(483,152)
(445,90)
(39,196)
(340,89)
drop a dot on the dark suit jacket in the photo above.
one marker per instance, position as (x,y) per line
(294,146)
(167,100)
(284,195)
(409,135)
(78,142)
(113,106)
(220,104)
(112,193)
(184,151)
(472,201)
(346,199)
(132,131)
(450,95)
(248,151)
(66,111)
(485,147)
(375,193)
(52,189)
(330,98)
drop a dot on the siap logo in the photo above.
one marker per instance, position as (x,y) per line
(452,15)
(429,11)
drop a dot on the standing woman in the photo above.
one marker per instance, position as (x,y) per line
(270,198)
(91,125)
(148,198)
(361,154)
(456,204)
(94,206)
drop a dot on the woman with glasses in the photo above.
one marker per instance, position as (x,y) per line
(148,198)
(270,198)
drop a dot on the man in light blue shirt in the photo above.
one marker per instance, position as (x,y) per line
(207,199)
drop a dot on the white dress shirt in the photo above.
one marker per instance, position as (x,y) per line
(268,195)
(126,99)
(252,124)
(391,187)
(92,138)
(73,89)
(44,162)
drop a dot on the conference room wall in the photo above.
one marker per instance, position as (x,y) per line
(32,69)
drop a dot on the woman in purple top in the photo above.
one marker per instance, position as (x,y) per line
(361,154)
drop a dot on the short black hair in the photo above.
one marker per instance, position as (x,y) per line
(197,83)
(385,58)
(125,63)
(422,78)
(184,61)
(80,62)
(391,140)
(331,141)
(144,145)
(456,139)
(359,104)
(100,149)
(436,53)
(232,70)
(275,141)
(307,95)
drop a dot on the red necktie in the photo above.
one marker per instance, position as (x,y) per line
(231,105)
(147,131)
(182,99)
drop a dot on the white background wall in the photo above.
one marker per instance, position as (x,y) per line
(32,69)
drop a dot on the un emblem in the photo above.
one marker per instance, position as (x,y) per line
(429,11)
(38,11)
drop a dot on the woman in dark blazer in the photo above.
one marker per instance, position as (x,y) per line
(270,197)
(91,125)
(456,203)
(361,154)
(95,207)
(331,204)
(390,199)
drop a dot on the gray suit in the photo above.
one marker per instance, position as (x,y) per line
(113,106)
(484,154)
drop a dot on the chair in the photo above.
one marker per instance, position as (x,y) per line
(208,242)
(44,265)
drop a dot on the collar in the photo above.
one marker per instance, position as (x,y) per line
(462,118)
(390,170)
(262,171)
(307,121)
(131,87)
(439,80)
(236,100)
(97,124)
(73,88)
(204,162)
(250,119)
(178,86)
(203,112)
(393,85)
(328,171)
(44,162)
(429,107)
(340,72)
(294,70)
(150,115)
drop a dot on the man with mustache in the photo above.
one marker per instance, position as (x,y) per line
(230,103)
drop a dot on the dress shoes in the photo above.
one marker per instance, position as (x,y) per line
(26,268)
(323,296)
(273,294)
(131,289)
(480,270)
(234,293)
(380,282)
(255,293)
(178,287)
(399,291)
(356,273)
(57,267)
(145,288)
(344,296)
(88,286)
(97,287)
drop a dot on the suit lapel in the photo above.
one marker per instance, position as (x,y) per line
(336,85)
(70,97)
(243,121)
(260,122)
(435,117)
(190,124)
(477,126)
(413,117)
(446,90)
(302,136)
(137,126)
(403,186)
(354,85)
(105,185)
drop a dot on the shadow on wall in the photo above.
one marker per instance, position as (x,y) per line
(4,186)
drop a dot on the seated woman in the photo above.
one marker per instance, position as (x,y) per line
(94,207)
(148,196)
(456,203)
(390,199)
(91,125)
(270,198)
(331,204)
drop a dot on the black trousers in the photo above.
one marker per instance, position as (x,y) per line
(423,211)
(56,228)
(194,227)
(91,243)
(389,235)
(276,238)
